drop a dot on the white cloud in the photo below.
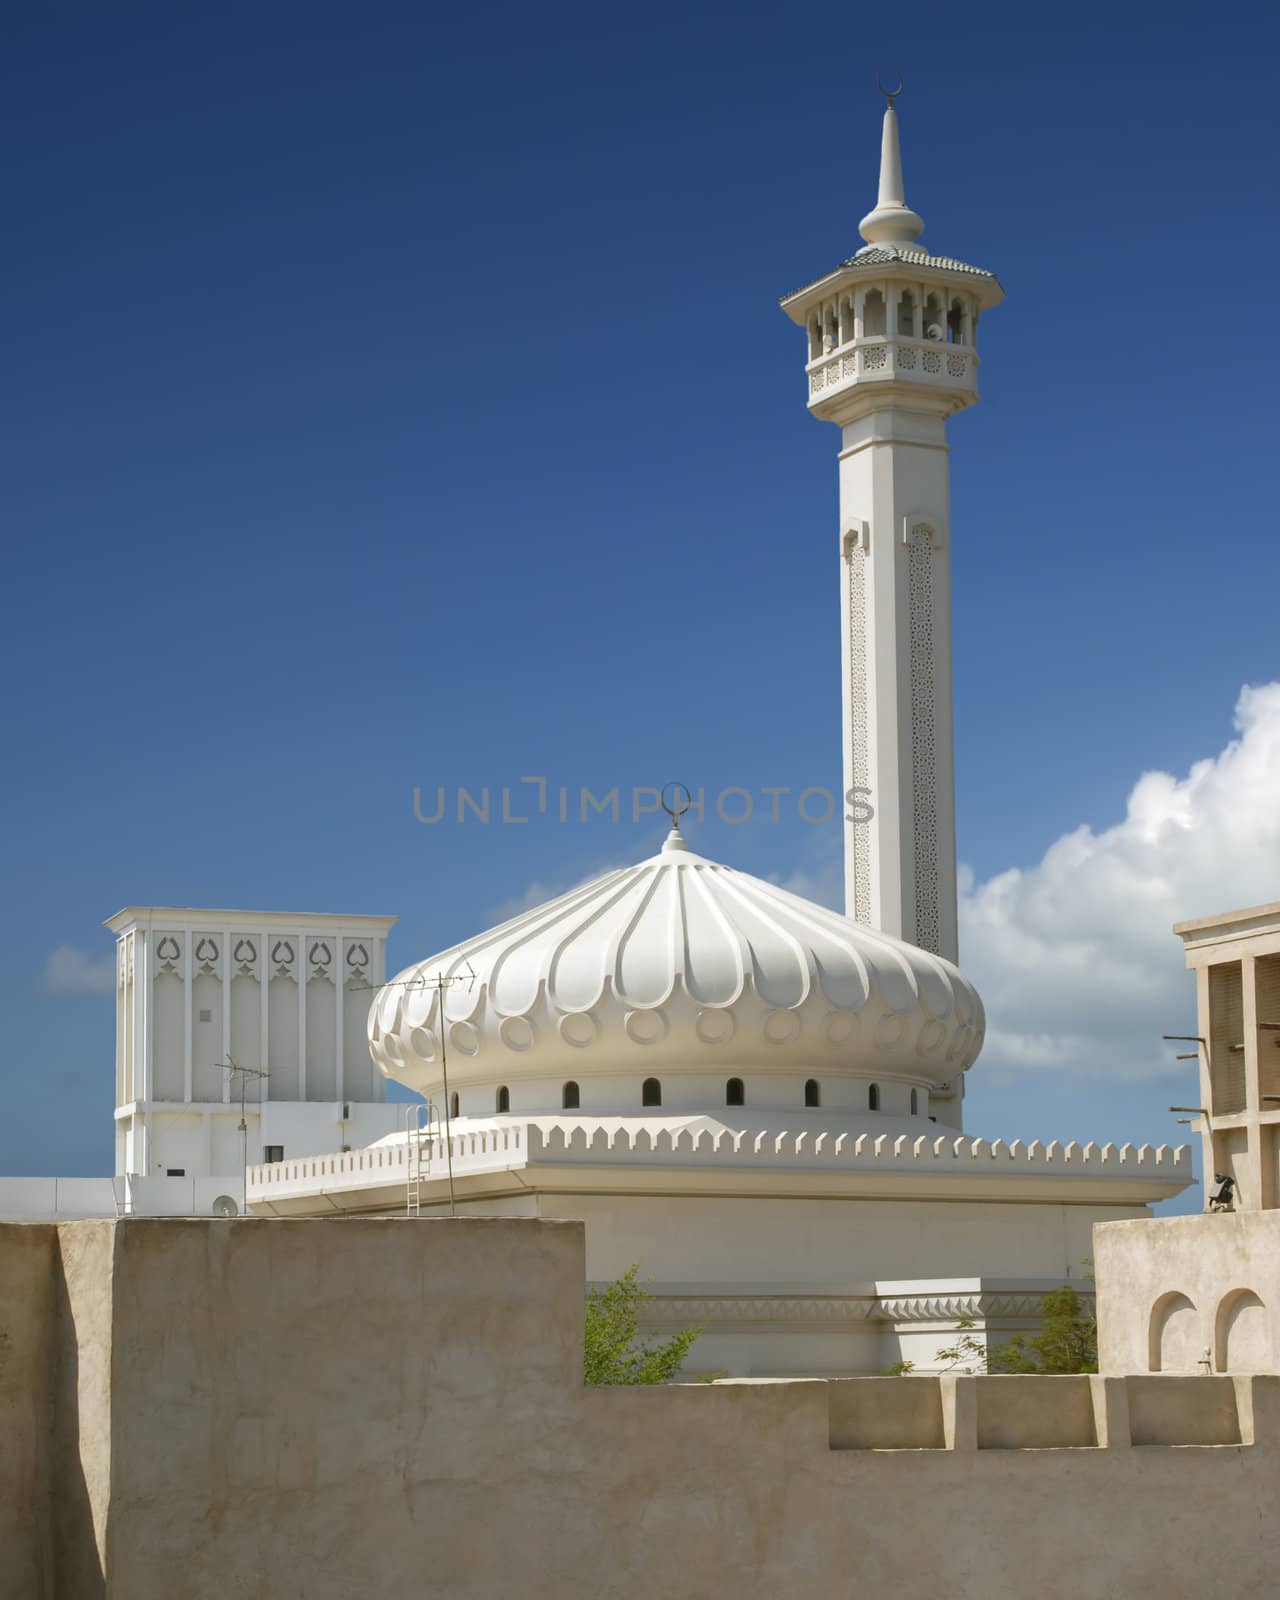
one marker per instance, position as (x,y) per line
(1074,957)
(539,892)
(823,882)
(70,971)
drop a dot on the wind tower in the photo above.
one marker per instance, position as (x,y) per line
(892,353)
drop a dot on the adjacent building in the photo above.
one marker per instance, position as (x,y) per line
(240,1038)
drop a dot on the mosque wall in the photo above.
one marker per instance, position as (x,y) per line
(827,1243)
(370,1406)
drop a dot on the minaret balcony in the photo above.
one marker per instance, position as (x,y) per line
(879,359)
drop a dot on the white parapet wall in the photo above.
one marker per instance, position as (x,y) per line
(78,1199)
(891,1162)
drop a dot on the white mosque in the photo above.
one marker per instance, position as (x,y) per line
(758,1100)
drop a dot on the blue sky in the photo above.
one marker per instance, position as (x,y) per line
(397,395)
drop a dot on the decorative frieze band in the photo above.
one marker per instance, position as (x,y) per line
(664,1310)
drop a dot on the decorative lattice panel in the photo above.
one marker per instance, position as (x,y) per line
(1226,1031)
(1268,971)
(924,738)
(858,728)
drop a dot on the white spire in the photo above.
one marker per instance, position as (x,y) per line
(892,223)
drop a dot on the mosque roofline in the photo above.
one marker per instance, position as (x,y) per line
(731,1153)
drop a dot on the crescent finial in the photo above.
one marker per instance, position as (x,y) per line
(890,94)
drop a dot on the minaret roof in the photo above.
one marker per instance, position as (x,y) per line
(872,259)
(891,231)
(893,222)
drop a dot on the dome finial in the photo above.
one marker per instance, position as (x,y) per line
(892,224)
(677,808)
(890,94)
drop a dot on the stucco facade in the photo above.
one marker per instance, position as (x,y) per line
(1189,1294)
(363,1406)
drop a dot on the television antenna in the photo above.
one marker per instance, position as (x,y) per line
(440,983)
(234,1070)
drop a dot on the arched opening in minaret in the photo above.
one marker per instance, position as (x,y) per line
(569,1097)
(503,1099)
(734,1093)
(651,1092)
(873,314)
(915,1102)
(812,1093)
(844,310)
(906,314)
(815,338)
(873,1097)
(934,326)
(955,323)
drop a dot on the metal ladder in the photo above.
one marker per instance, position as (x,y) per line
(417,1156)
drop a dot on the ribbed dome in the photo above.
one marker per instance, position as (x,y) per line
(678,961)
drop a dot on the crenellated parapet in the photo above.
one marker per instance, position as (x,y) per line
(963,1413)
(811,1159)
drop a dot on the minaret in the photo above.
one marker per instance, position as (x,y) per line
(892,354)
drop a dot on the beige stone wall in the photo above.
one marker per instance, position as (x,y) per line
(87,1319)
(1174,1288)
(344,1408)
(26,1288)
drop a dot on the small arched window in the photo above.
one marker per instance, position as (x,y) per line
(873,1097)
(812,1093)
(651,1093)
(569,1096)
(907,314)
(734,1093)
(873,315)
(453,1104)
(955,323)
(915,1102)
(504,1098)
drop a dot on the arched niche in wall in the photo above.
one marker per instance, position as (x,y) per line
(1242,1334)
(1173,1340)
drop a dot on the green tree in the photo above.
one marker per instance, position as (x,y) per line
(614,1351)
(968,1353)
(1067,1341)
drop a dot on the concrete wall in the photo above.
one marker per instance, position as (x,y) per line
(1175,1288)
(26,1314)
(395,1407)
(85,1327)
